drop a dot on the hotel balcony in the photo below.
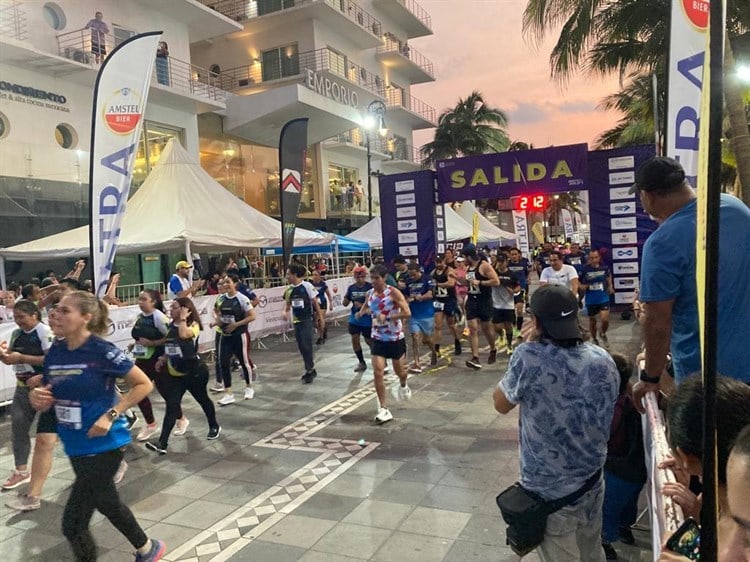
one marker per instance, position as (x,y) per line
(401,158)
(408,109)
(346,17)
(411,17)
(406,60)
(354,143)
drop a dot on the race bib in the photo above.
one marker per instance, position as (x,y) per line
(173,350)
(575,261)
(69,414)
(470,276)
(227,319)
(441,292)
(438,305)
(596,287)
(139,349)
(23,368)
(298,303)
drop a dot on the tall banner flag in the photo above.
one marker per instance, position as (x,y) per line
(521,228)
(475,227)
(687,51)
(120,95)
(292,149)
(567,218)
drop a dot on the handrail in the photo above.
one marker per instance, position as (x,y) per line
(13,21)
(419,12)
(359,138)
(393,45)
(395,97)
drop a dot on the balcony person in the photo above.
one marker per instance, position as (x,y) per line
(98,31)
(162,63)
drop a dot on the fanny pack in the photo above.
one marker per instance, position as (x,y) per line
(526,513)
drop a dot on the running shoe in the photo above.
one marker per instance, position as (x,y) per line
(132,419)
(516,333)
(226,400)
(384,415)
(24,502)
(158,549)
(235,365)
(433,358)
(360,368)
(213,433)
(609,551)
(401,393)
(156,447)
(416,369)
(474,363)
(309,376)
(147,432)
(386,369)
(457,347)
(626,535)
(509,350)
(249,393)
(15,479)
(218,387)
(493,356)
(180,426)
(604,338)
(319,341)
(120,474)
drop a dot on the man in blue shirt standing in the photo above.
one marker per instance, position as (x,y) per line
(668,283)
(596,281)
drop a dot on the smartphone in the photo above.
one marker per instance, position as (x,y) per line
(686,540)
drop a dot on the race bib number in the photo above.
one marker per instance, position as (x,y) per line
(227,319)
(470,276)
(23,368)
(441,292)
(438,305)
(69,414)
(596,287)
(139,350)
(173,350)
(575,261)
(298,303)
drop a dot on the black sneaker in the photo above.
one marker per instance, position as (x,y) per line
(626,535)
(493,356)
(156,447)
(362,367)
(132,420)
(319,341)
(609,552)
(213,433)
(457,347)
(474,363)
(308,377)
(433,359)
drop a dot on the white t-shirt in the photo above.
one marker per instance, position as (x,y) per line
(176,285)
(563,276)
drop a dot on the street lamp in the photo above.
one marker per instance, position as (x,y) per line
(375,118)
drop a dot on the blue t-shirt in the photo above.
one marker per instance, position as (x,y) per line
(668,272)
(357,296)
(596,280)
(420,309)
(521,271)
(577,261)
(567,399)
(83,384)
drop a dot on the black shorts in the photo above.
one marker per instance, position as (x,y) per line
(478,308)
(450,306)
(388,349)
(520,297)
(595,309)
(500,315)
(47,422)
(98,48)
(354,329)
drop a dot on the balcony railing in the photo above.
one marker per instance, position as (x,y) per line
(405,152)
(418,11)
(240,10)
(357,137)
(395,97)
(13,21)
(319,60)
(393,45)
(171,72)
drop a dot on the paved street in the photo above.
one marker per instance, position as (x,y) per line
(303,473)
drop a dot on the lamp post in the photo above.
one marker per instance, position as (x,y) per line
(375,117)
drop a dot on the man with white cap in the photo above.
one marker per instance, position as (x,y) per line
(181,283)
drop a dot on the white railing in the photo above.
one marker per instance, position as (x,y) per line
(13,21)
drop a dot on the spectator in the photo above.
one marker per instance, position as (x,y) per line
(162,65)
(181,285)
(567,391)
(738,490)
(99,30)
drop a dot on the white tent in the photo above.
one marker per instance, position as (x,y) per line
(179,208)
(488,232)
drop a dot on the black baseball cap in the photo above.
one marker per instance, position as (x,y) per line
(556,307)
(661,173)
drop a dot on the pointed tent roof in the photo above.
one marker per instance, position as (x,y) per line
(179,202)
(488,232)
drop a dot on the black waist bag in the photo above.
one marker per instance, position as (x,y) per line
(526,513)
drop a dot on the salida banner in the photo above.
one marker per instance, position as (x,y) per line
(506,174)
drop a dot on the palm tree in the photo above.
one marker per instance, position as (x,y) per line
(472,127)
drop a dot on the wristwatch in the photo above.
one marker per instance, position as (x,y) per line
(644,377)
(113,415)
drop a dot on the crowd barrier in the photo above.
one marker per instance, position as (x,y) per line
(268,321)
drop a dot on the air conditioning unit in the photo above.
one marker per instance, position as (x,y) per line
(81,56)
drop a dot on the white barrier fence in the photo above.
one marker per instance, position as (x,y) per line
(268,321)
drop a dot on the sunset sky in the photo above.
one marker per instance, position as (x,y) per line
(478,45)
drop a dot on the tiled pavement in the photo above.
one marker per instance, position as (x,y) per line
(302,472)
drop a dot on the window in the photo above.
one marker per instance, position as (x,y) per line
(66,136)
(4,126)
(340,197)
(121,33)
(336,62)
(54,16)
(280,62)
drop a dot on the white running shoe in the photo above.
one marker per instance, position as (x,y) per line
(401,393)
(147,431)
(120,474)
(386,370)
(384,415)
(180,426)
(226,400)
(218,387)
(249,393)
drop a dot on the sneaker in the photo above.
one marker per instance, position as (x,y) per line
(249,393)
(360,368)
(235,365)
(509,350)
(626,535)
(433,358)
(384,415)
(120,474)
(604,338)
(180,426)
(24,502)
(156,447)
(226,400)
(416,369)
(132,419)
(254,375)
(516,333)
(15,479)
(213,433)
(308,377)
(386,370)
(401,393)
(474,363)
(457,347)
(609,552)
(493,356)
(319,341)
(158,548)
(147,432)
(218,387)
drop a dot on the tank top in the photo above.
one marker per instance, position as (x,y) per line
(481,292)
(391,330)
(443,294)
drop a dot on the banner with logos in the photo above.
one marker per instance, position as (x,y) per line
(521,228)
(120,95)
(506,174)
(687,53)
(292,149)
(567,218)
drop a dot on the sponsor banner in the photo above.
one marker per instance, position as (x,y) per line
(624,238)
(406,225)
(521,228)
(292,149)
(506,174)
(622,208)
(625,253)
(120,96)
(620,178)
(407,238)
(405,199)
(629,283)
(625,297)
(626,223)
(621,162)
(402,212)
(626,268)
(621,193)
(687,53)
(407,185)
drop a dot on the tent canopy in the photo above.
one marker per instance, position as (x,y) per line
(179,204)
(488,232)
(345,245)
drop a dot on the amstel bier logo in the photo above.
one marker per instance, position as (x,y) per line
(697,12)
(123,111)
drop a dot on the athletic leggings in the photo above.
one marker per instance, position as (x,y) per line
(237,345)
(173,390)
(93,489)
(148,366)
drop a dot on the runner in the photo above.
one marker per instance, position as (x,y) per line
(233,311)
(402,271)
(326,303)
(301,298)
(596,282)
(559,274)
(503,313)
(480,278)
(461,292)
(387,308)
(445,302)
(186,372)
(577,259)
(422,321)
(520,266)
(356,295)
(542,258)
